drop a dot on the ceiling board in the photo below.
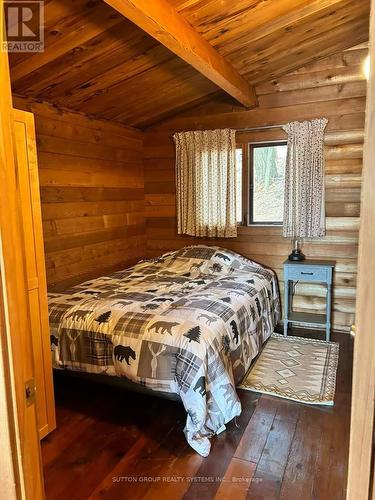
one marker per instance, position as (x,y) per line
(100,63)
(161,21)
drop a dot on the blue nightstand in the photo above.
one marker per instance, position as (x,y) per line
(318,271)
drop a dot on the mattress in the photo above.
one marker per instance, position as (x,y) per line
(189,323)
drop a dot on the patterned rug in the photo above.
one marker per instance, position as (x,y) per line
(295,368)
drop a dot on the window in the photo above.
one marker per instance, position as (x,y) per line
(260,194)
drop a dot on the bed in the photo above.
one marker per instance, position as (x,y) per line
(187,323)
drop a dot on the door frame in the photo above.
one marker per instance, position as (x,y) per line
(21,467)
(362,409)
(11,469)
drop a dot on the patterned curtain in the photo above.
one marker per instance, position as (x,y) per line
(206,183)
(304,203)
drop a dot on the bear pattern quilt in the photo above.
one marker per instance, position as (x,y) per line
(189,322)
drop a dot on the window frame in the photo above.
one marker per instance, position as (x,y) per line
(248,181)
(245,176)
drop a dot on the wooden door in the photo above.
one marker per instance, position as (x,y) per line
(28,187)
(16,367)
(362,418)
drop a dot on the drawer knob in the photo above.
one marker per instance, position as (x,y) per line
(310,274)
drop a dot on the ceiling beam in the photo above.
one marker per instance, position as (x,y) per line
(160,20)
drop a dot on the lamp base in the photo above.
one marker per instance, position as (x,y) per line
(296,255)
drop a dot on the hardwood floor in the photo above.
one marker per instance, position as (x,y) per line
(113,444)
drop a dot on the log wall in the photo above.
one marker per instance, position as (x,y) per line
(334,88)
(92,194)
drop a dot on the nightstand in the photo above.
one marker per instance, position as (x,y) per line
(317,271)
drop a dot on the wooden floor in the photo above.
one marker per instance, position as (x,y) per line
(114,444)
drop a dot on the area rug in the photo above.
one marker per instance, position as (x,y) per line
(295,368)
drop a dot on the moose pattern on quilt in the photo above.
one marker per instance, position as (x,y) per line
(189,322)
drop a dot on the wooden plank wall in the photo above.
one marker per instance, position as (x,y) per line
(92,193)
(333,87)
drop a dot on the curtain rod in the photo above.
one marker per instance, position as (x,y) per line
(265,127)
(250,129)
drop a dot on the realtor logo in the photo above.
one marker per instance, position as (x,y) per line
(22,29)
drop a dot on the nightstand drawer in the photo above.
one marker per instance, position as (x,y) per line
(305,273)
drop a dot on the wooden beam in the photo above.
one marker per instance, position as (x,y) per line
(160,20)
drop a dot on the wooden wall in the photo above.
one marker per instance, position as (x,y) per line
(92,194)
(334,88)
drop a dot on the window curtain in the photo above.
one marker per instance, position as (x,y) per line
(304,202)
(206,183)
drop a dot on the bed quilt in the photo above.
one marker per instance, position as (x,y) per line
(189,322)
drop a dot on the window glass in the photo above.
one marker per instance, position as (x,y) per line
(267,175)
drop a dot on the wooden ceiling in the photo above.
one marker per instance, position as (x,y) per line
(98,62)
